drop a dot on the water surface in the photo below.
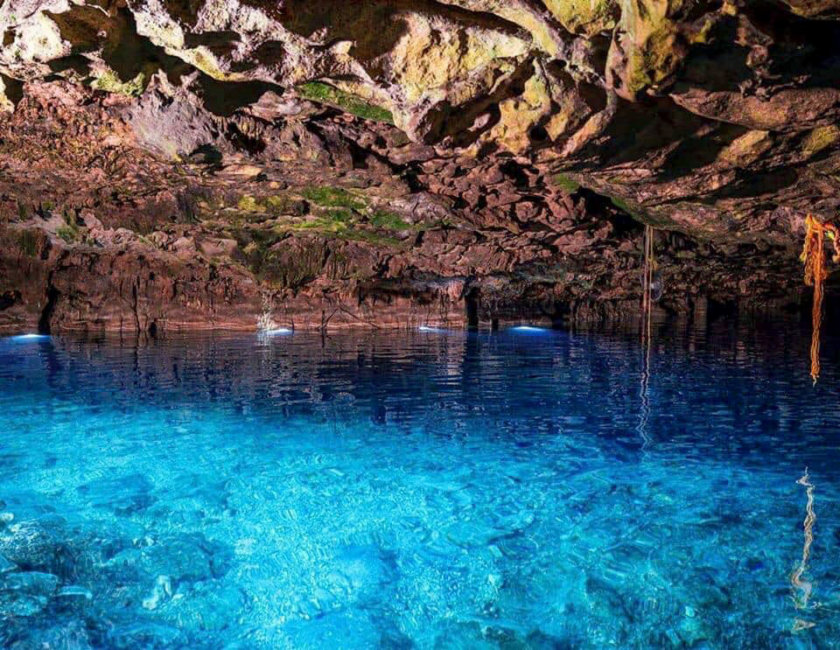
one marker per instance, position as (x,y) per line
(523,489)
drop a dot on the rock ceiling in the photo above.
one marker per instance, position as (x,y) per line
(185,164)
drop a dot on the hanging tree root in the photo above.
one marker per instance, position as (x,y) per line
(813,256)
(647,305)
(647,284)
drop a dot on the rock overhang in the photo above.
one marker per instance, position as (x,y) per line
(514,147)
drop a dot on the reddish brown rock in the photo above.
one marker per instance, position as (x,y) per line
(325,164)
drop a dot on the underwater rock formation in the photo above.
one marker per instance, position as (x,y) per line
(168,164)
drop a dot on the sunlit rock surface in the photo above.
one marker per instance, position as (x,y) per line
(167,165)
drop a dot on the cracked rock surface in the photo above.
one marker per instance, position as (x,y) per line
(219,163)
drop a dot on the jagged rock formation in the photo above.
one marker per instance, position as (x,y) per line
(171,164)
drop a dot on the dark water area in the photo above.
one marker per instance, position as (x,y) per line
(520,489)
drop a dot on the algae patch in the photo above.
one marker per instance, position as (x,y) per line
(68,233)
(27,242)
(388,220)
(820,138)
(333,197)
(110,82)
(566,183)
(322,93)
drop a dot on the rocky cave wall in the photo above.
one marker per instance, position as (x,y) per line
(168,164)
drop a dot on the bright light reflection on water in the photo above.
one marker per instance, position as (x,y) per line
(279,331)
(530,329)
(22,338)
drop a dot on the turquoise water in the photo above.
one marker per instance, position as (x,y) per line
(524,489)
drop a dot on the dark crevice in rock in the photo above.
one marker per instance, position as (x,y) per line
(184,11)
(224,98)
(471,301)
(9,298)
(44,322)
(700,149)
(14,88)
(217,42)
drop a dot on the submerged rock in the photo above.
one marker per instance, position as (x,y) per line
(538,640)
(47,633)
(6,566)
(73,597)
(464,635)
(342,630)
(178,559)
(144,635)
(30,545)
(26,594)
(208,605)
(362,573)
(160,592)
(124,495)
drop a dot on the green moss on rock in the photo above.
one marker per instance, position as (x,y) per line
(250,204)
(282,204)
(633,211)
(388,220)
(28,242)
(68,233)
(567,184)
(334,197)
(332,213)
(262,208)
(640,214)
(331,221)
(322,93)
(110,82)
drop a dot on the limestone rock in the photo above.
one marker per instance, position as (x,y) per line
(169,164)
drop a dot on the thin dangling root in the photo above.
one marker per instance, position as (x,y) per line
(647,285)
(647,305)
(801,587)
(813,256)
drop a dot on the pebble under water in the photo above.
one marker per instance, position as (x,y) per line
(522,489)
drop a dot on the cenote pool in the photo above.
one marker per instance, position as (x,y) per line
(522,489)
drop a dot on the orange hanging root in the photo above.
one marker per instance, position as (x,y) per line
(813,255)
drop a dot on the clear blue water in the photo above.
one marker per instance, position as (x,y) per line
(436,490)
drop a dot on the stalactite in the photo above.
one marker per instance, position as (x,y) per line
(813,256)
